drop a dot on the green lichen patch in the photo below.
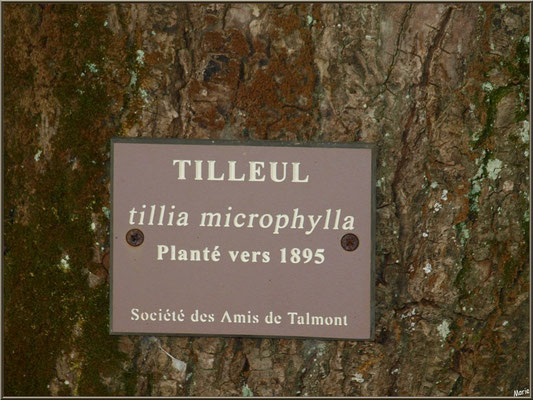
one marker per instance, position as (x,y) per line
(491,100)
(487,99)
(49,237)
(462,233)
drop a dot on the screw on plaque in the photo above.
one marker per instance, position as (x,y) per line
(135,237)
(350,242)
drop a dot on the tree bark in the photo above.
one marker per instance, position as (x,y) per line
(442,89)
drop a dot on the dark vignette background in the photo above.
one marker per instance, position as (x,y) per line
(442,89)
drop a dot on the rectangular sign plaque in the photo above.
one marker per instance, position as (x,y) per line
(255,239)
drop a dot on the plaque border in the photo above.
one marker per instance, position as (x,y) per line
(267,143)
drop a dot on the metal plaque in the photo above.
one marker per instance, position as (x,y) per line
(252,239)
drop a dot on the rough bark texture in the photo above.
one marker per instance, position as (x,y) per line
(442,89)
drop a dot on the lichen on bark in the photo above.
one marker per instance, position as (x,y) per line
(443,91)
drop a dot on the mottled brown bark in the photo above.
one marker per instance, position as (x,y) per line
(442,89)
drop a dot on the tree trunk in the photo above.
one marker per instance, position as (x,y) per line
(442,89)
